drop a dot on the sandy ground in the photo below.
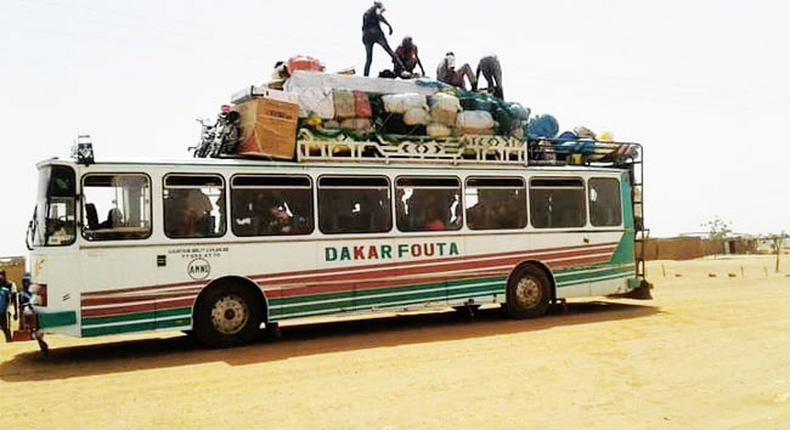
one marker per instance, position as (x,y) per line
(707,353)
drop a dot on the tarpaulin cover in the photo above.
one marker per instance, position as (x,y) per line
(401,103)
(317,100)
(543,126)
(303,79)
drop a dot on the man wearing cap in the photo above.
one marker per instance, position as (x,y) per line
(372,34)
(6,298)
(447,73)
(407,54)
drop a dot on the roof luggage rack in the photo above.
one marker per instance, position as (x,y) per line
(316,146)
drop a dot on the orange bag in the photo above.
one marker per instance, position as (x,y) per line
(303,62)
(363,104)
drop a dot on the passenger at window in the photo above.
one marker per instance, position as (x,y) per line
(114,219)
(433,220)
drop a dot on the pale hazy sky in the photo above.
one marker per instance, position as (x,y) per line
(702,84)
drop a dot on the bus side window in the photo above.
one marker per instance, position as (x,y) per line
(126,201)
(354,204)
(557,203)
(605,203)
(194,206)
(269,205)
(496,203)
(428,204)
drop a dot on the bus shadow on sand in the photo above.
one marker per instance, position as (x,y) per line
(302,340)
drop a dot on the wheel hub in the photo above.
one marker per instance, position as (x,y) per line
(229,314)
(528,292)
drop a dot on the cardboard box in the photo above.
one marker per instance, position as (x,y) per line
(268,128)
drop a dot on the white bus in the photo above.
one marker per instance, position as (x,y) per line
(219,247)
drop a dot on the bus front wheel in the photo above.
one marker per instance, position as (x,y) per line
(528,294)
(227,315)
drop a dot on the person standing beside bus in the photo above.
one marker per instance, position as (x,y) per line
(6,298)
(25,303)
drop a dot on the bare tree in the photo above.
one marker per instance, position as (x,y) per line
(777,240)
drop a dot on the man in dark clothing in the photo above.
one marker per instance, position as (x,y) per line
(492,71)
(6,298)
(25,302)
(372,34)
(407,54)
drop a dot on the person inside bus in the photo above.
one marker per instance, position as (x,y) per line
(282,220)
(433,220)
(188,213)
(114,219)
(198,213)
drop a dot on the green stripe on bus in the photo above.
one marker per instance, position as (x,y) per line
(601,278)
(150,315)
(57,319)
(128,328)
(345,295)
(430,292)
(591,273)
(368,293)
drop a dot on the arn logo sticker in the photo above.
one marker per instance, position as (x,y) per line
(199,269)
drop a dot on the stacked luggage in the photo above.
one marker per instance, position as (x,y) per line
(390,111)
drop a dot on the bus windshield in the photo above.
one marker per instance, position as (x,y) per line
(54,221)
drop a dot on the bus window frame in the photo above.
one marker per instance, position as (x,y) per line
(585,225)
(462,211)
(312,187)
(164,206)
(48,200)
(150,205)
(620,208)
(525,185)
(390,192)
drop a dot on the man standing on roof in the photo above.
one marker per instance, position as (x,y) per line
(372,34)
(407,54)
(447,73)
(492,71)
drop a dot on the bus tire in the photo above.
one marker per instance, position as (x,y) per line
(528,293)
(227,315)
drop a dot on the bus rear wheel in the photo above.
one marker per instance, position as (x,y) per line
(528,294)
(227,315)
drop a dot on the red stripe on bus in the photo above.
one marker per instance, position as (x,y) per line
(433,268)
(110,300)
(382,282)
(262,277)
(131,309)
